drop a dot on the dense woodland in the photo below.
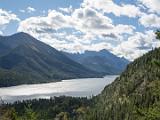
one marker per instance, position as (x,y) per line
(59,108)
(135,95)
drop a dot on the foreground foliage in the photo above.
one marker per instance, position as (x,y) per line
(59,108)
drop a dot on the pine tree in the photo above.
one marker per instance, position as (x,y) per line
(29,114)
(158,34)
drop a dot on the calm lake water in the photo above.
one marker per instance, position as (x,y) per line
(74,87)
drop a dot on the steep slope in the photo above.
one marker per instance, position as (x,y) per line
(135,95)
(102,61)
(23,59)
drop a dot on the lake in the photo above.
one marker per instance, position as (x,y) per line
(85,87)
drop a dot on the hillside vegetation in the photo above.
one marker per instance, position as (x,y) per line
(135,95)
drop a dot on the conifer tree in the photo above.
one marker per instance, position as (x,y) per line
(158,34)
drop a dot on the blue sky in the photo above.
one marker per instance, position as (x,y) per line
(45,5)
(125,28)
(39,5)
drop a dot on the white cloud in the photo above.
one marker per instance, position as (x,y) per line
(22,11)
(137,44)
(1,33)
(67,10)
(108,6)
(52,22)
(89,20)
(7,16)
(86,20)
(121,29)
(150,20)
(78,47)
(30,9)
(153,5)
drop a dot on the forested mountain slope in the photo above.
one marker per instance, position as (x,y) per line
(135,95)
(24,60)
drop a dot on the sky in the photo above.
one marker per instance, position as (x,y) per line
(125,28)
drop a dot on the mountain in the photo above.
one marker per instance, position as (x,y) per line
(102,61)
(25,60)
(135,95)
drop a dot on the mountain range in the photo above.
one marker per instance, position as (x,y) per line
(26,60)
(102,61)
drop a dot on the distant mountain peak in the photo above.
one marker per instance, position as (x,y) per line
(104,50)
(101,61)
